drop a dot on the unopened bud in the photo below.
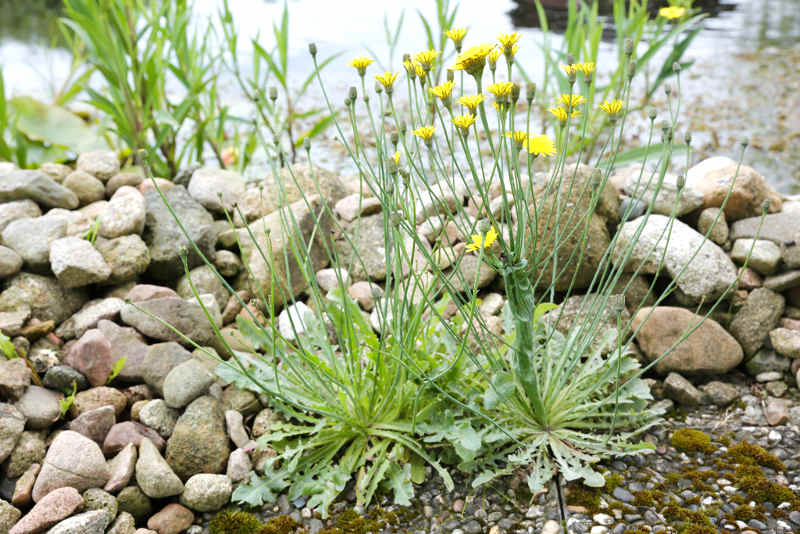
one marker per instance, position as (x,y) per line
(378,88)
(631,71)
(307,144)
(347,102)
(273,93)
(765,206)
(628,47)
(676,67)
(667,89)
(688,138)
(530,92)
(597,177)
(651,114)
(352,93)
(402,128)
(394,138)
(681,182)
(570,59)
(312,49)
(391,166)
(515,89)
(664,126)
(744,141)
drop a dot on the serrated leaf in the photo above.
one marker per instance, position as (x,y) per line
(258,336)
(502,386)
(261,490)
(399,481)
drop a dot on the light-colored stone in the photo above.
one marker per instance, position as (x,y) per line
(86,187)
(10,262)
(72,460)
(18,209)
(353,206)
(662,194)
(15,377)
(711,221)
(36,186)
(682,391)
(754,320)
(39,406)
(77,263)
(764,256)
(102,164)
(158,416)
(172,519)
(52,508)
(124,214)
(31,238)
(217,190)
(88,316)
(185,382)
(153,475)
(93,522)
(186,316)
(12,424)
(207,493)
(786,342)
(45,298)
(127,256)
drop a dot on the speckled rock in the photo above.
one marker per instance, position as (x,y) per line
(754,320)
(133,501)
(153,475)
(31,238)
(125,343)
(12,424)
(682,391)
(86,187)
(36,186)
(76,263)
(160,359)
(88,316)
(199,443)
(43,295)
(121,468)
(94,522)
(786,342)
(10,262)
(52,508)
(39,406)
(72,460)
(97,397)
(128,432)
(94,424)
(186,316)
(158,416)
(172,519)
(205,281)
(30,450)
(185,382)
(764,255)
(9,515)
(91,355)
(18,209)
(102,164)
(206,493)
(15,377)
(216,189)
(127,256)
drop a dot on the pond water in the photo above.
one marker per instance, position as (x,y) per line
(745,81)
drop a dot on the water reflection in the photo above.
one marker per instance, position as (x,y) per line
(31,21)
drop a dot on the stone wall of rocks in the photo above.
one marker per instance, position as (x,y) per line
(166,442)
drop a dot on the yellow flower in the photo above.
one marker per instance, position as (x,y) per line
(387,80)
(463,122)
(508,40)
(479,241)
(473,59)
(420,71)
(471,102)
(361,63)
(613,107)
(671,12)
(570,69)
(426,58)
(587,68)
(442,91)
(572,100)
(424,132)
(541,144)
(397,158)
(561,113)
(494,56)
(518,136)
(409,66)
(457,35)
(514,50)
(501,89)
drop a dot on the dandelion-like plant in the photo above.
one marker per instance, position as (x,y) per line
(672,12)
(473,59)
(471,102)
(425,132)
(426,58)
(360,64)
(541,145)
(480,242)
(457,36)
(501,89)
(442,91)
(464,122)
(387,80)
(612,108)
(571,101)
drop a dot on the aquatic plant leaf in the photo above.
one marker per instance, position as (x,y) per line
(54,125)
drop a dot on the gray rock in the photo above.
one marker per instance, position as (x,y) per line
(56,171)
(127,256)
(39,406)
(764,255)
(199,443)
(467,272)
(354,206)
(86,187)
(720,393)
(72,460)
(94,424)
(766,360)
(125,343)
(294,319)
(97,499)
(10,262)
(186,316)
(102,164)
(754,320)
(234,421)
(217,190)
(153,475)
(124,524)
(37,186)
(76,263)
(204,281)
(158,416)
(160,359)
(783,281)
(88,316)
(9,514)
(206,493)
(12,423)
(185,382)
(165,238)
(239,465)
(94,522)
(121,468)
(30,450)
(31,238)
(777,227)
(711,221)
(227,263)
(663,194)
(682,391)
(786,342)
(19,209)
(699,275)
(124,214)
(15,377)
(133,501)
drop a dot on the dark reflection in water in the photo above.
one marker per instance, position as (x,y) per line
(31,21)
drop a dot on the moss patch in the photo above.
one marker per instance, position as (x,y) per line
(748,454)
(350,522)
(690,440)
(234,522)
(282,525)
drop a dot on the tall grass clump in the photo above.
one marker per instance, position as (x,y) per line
(426,379)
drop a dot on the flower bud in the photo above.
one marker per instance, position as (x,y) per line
(515,93)
(765,206)
(312,49)
(391,166)
(530,92)
(307,144)
(651,114)
(676,67)
(402,128)
(744,141)
(664,126)
(631,71)
(352,93)
(273,93)
(570,59)
(597,177)
(347,102)
(688,138)
(667,89)
(394,138)
(628,46)
(378,87)
(681,182)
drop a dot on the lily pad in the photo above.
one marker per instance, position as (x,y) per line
(54,125)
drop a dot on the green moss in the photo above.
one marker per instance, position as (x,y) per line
(746,453)
(350,522)
(698,529)
(282,525)
(648,498)
(746,513)
(613,481)
(638,529)
(751,480)
(690,440)
(580,495)
(234,522)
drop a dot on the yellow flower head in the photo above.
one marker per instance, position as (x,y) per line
(572,101)
(473,59)
(442,91)
(396,158)
(482,242)
(493,57)
(541,144)
(463,122)
(672,12)
(471,102)
(456,35)
(518,136)
(501,89)
(424,132)
(613,107)
(508,40)
(361,63)
(570,69)
(420,72)
(587,68)
(514,50)
(426,58)
(410,68)
(561,114)
(387,80)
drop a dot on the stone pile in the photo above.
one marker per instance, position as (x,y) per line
(92,265)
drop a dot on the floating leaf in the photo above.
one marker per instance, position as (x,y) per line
(54,125)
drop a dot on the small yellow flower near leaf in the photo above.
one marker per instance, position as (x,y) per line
(409,66)
(387,79)
(672,12)
(424,132)
(361,63)
(518,136)
(541,145)
(464,122)
(501,89)
(442,91)
(561,114)
(420,71)
(508,40)
(426,58)
(494,56)
(473,59)
(613,107)
(572,100)
(471,102)
(587,68)
(570,69)
(456,35)
(481,242)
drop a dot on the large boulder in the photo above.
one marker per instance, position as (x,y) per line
(73,461)
(165,238)
(708,350)
(701,269)
(37,186)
